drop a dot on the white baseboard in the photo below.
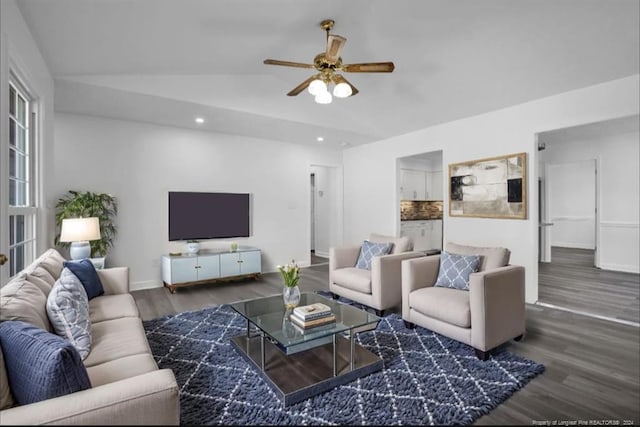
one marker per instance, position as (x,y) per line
(147,284)
(322,254)
(572,245)
(620,267)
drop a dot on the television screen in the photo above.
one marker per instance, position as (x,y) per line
(208,215)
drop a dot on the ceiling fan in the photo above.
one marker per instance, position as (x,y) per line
(328,64)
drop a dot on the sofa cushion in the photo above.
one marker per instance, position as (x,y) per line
(368,250)
(490,258)
(51,261)
(87,274)
(40,365)
(445,304)
(455,269)
(120,369)
(108,307)
(68,310)
(353,278)
(22,300)
(42,274)
(6,399)
(42,284)
(400,244)
(117,338)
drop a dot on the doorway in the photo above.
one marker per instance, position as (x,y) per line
(325,219)
(588,219)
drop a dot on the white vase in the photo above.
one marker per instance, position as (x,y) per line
(193,248)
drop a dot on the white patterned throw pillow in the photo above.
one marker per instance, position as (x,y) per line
(369,250)
(68,311)
(455,270)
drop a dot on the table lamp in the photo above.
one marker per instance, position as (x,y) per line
(79,231)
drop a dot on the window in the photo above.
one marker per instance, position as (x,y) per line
(21,206)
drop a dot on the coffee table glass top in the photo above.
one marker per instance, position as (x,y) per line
(271,316)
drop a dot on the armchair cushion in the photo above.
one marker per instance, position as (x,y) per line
(455,270)
(448,305)
(40,365)
(490,258)
(369,250)
(353,278)
(400,244)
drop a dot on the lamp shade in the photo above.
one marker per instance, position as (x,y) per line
(80,229)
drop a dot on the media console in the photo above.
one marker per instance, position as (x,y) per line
(210,266)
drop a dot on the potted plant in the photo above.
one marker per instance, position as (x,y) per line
(77,204)
(290,276)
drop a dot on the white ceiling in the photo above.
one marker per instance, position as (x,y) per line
(167,61)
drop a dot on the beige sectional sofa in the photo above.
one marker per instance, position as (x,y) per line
(126,385)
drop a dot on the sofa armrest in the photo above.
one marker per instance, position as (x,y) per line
(417,273)
(114,280)
(343,257)
(497,303)
(386,278)
(148,399)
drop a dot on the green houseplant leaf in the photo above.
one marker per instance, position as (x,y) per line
(77,204)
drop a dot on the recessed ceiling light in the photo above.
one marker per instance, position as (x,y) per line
(199,120)
(319,139)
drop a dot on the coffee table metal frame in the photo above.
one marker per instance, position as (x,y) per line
(294,361)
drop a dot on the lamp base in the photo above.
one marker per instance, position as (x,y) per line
(80,250)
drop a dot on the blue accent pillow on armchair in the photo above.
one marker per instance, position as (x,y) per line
(40,365)
(86,272)
(369,250)
(455,270)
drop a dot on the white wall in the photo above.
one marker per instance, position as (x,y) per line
(139,163)
(571,195)
(370,178)
(19,52)
(328,198)
(618,159)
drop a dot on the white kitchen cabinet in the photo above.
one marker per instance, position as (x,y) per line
(426,234)
(413,184)
(434,185)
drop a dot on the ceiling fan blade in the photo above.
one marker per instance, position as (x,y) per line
(287,63)
(369,67)
(302,86)
(335,43)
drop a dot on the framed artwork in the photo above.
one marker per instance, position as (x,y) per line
(489,188)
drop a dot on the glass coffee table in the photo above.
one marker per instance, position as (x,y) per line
(300,363)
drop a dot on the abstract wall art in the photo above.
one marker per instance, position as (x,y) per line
(489,188)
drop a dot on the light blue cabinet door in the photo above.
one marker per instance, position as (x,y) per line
(184,269)
(209,267)
(229,265)
(250,262)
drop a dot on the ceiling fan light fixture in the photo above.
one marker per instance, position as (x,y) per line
(342,90)
(317,86)
(324,98)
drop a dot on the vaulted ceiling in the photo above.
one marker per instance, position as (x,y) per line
(168,61)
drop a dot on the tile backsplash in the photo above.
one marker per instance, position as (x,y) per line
(416,210)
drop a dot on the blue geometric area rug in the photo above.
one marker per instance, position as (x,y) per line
(427,378)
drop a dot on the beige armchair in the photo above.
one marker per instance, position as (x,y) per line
(379,288)
(489,314)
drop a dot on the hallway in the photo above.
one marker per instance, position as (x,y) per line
(572,282)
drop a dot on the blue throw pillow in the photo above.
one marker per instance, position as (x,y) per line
(86,272)
(40,365)
(369,250)
(455,270)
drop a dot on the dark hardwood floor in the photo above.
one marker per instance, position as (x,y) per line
(592,365)
(315,259)
(571,281)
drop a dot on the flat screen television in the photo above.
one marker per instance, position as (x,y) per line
(194,216)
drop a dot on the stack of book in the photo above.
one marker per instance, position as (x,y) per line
(312,315)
